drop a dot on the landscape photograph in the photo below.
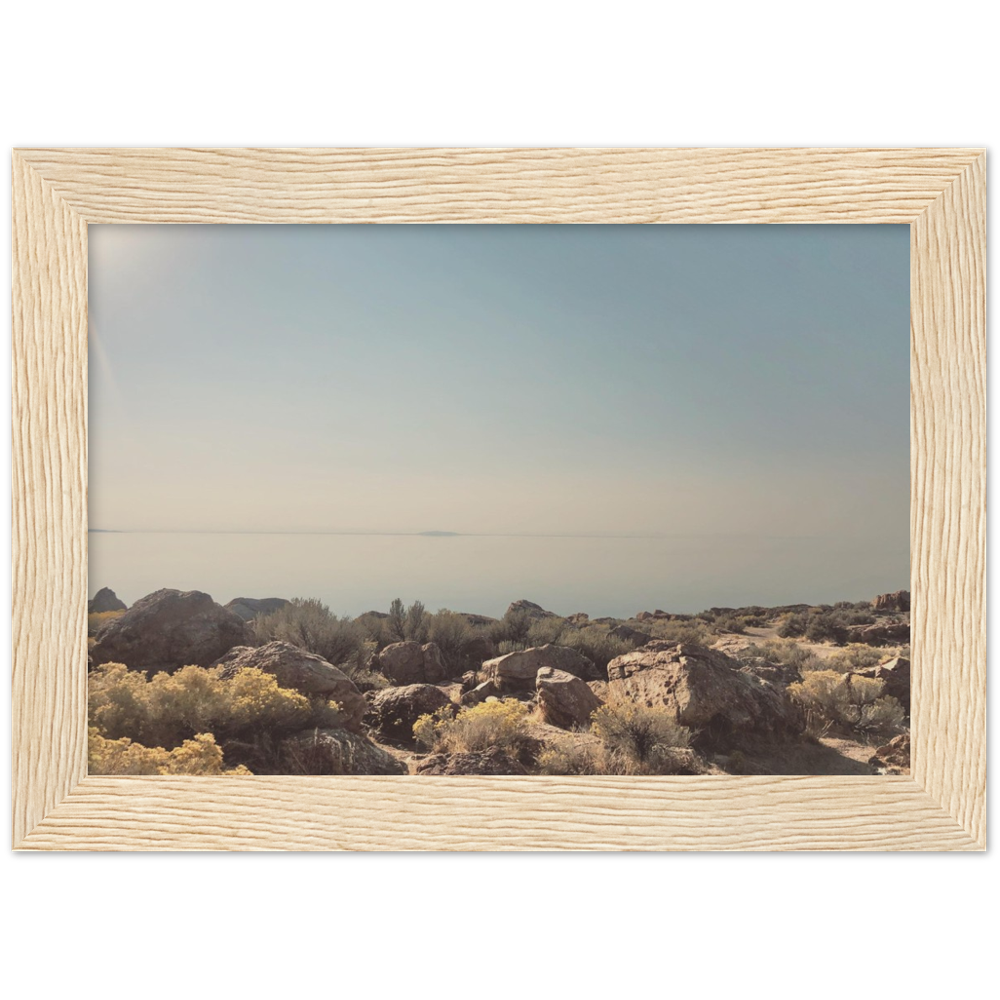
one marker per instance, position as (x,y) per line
(448,500)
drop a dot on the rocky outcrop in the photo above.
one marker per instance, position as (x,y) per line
(336,751)
(168,630)
(706,691)
(301,671)
(893,758)
(898,600)
(105,600)
(517,671)
(249,608)
(393,711)
(880,634)
(531,609)
(410,663)
(895,677)
(492,761)
(564,700)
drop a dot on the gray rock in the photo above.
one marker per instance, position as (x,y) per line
(565,700)
(105,600)
(393,711)
(517,671)
(249,608)
(336,751)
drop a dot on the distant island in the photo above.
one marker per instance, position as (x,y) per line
(439,534)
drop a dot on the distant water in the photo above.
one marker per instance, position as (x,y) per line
(600,576)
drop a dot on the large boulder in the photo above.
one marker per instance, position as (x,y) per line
(301,671)
(884,633)
(336,751)
(168,630)
(707,692)
(393,711)
(895,677)
(249,608)
(411,663)
(492,761)
(898,600)
(893,758)
(564,700)
(628,634)
(105,600)
(402,663)
(434,668)
(479,694)
(517,671)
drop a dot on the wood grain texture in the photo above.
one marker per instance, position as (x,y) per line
(948,496)
(940,192)
(49,486)
(499,185)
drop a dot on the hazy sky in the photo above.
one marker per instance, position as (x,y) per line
(681,380)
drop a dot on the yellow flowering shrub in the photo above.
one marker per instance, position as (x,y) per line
(169,708)
(491,724)
(200,755)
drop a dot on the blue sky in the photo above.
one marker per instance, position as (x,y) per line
(681,380)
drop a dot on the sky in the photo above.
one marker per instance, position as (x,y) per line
(689,381)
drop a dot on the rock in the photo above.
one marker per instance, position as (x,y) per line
(478,649)
(643,616)
(476,621)
(249,608)
(531,609)
(628,634)
(516,671)
(880,634)
(434,668)
(580,618)
(336,751)
(301,671)
(564,700)
(898,600)
(403,663)
(706,690)
(393,711)
(105,600)
(893,758)
(492,761)
(600,688)
(895,677)
(168,630)
(479,693)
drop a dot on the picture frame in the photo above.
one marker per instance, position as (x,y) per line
(939,193)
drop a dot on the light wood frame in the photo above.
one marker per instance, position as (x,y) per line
(940,193)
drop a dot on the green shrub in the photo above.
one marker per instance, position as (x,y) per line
(547,630)
(692,630)
(597,644)
(452,634)
(856,656)
(513,627)
(308,624)
(784,652)
(638,739)
(568,758)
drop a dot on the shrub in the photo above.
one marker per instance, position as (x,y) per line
(597,644)
(855,657)
(569,758)
(170,708)
(513,627)
(452,634)
(308,623)
(785,652)
(200,755)
(692,630)
(510,646)
(638,739)
(547,630)
(491,724)
(849,702)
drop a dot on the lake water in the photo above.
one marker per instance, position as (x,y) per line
(600,576)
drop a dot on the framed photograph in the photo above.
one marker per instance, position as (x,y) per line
(937,803)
